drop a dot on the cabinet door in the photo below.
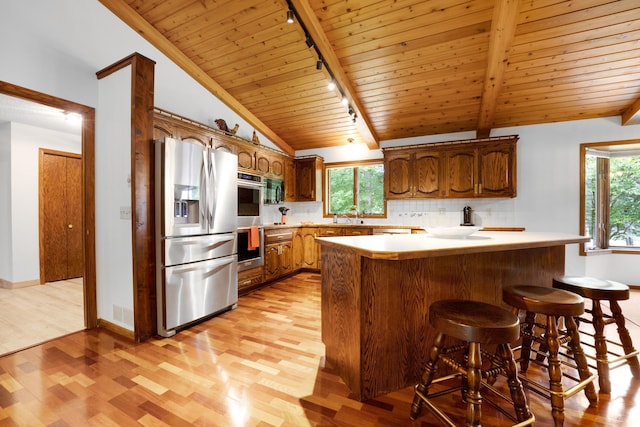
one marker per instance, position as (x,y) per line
(286,258)
(298,250)
(310,248)
(289,180)
(271,261)
(306,180)
(460,167)
(426,174)
(262,162)
(245,158)
(277,167)
(497,171)
(397,176)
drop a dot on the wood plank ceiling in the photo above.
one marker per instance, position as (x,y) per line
(407,67)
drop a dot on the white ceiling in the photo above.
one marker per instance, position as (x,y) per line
(18,110)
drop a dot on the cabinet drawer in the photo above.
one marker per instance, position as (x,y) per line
(276,236)
(330,231)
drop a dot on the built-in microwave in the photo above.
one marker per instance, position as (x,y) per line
(250,190)
(273,191)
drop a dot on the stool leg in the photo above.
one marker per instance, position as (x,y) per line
(427,376)
(581,360)
(527,333)
(600,343)
(474,376)
(555,373)
(515,386)
(625,338)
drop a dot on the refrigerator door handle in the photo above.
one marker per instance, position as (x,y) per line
(213,181)
(212,265)
(204,180)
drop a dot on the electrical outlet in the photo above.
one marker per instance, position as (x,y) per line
(125,212)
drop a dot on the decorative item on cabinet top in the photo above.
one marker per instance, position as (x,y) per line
(222,125)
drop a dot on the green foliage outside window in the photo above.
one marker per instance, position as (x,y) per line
(360,187)
(623,199)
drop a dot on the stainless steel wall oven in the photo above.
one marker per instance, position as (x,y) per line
(249,256)
(250,191)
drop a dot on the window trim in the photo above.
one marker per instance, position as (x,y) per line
(582,170)
(325,183)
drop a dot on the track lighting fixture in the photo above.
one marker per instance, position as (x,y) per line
(332,85)
(309,41)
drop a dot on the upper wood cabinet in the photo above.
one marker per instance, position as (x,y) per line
(412,174)
(308,180)
(465,169)
(262,161)
(289,180)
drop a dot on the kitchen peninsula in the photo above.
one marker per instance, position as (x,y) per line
(376,292)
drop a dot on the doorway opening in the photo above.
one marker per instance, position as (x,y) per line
(85,218)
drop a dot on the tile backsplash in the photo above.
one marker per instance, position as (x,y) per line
(441,212)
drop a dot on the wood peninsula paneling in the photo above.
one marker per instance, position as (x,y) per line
(375,311)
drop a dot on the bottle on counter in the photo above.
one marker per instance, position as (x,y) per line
(335,218)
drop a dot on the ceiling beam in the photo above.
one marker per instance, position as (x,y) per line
(311,23)
(631,115)
(503,28)
(129,16)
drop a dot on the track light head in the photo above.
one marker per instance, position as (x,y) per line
(319,64)
(344,100)
(290,16)
(331,85)
(309,42)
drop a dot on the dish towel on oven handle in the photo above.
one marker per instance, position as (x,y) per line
(254,238)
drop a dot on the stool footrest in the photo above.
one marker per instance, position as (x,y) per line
(446,420)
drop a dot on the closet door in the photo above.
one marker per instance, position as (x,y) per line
(60,198)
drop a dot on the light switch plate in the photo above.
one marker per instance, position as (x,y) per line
(125,212)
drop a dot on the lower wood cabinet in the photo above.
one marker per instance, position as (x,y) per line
(278,253)
(249,280)
(305,248)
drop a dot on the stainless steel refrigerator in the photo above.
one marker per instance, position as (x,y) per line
(196,233)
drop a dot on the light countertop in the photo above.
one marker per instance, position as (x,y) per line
(410,246)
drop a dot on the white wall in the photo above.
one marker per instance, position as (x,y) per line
(56,48)
(548,189)
(114,251)
(21,199)
(6,239)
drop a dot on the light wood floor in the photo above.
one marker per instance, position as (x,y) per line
(261,364)
(35,314)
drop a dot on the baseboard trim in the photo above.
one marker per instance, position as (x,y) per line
(116,329)
(5,284)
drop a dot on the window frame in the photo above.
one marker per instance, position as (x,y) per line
(604,210)
(355,164)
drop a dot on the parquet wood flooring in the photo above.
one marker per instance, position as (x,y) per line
(261,364)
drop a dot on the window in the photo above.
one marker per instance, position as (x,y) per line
(355,187)
(610,196)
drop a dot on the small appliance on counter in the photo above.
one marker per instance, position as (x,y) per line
(283,211)
(467,216)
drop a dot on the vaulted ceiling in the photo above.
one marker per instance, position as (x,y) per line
(406,67)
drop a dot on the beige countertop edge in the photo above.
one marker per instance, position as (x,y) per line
(412,246)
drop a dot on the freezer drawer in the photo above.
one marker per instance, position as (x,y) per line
(190,292)
(180,250)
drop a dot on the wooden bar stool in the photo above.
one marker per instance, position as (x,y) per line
(598,290)
(552,304)
(474,323)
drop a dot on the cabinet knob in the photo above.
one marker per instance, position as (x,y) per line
(70,225)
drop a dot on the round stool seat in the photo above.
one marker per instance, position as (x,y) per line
(474,321)
(592,288)
(539,299)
